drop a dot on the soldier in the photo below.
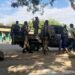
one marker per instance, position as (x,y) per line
(47,30)
(24,28)
(45,36)
(46,33)
(15,30)
(64,38)
(36,25)
(25,33)
(72,37)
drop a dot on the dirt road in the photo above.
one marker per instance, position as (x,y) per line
(17,63)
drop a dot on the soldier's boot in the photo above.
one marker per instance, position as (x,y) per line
(45,47)
(29,50)
(24,50)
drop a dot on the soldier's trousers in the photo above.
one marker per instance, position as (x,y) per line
(35,31)
(26,44)
(63,43)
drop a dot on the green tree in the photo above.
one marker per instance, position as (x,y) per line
(51,22)
(33,4)
(54,22)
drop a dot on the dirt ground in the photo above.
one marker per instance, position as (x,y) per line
(17,63)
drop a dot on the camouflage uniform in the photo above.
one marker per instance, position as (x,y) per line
(15,31)
(25,33)
(36,25)
(46,33)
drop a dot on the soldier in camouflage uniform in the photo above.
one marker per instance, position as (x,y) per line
(15,31)
(46,33)
(36,25)
(25,33)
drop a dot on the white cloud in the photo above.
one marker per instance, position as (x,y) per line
(65,15)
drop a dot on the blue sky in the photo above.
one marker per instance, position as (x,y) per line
(2,1)
(61,11)
(61,3)
(5,7)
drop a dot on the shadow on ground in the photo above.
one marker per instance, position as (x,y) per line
(17,63)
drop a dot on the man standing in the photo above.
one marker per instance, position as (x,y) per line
(36,25)
(15,28)
(46,33)
(64,38)
(72,37)
(25,31)
(15,31)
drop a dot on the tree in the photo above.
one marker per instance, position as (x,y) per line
(72,4)
(34,4)
(41,23)
(31,4)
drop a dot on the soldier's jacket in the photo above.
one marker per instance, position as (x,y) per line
(15,29)
(64,33)
(36,24)
(24,30)
(47,30)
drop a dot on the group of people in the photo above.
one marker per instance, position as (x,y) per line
(24,30)
(25,25)
(68,38)
(47,32)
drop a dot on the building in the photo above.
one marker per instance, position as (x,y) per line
(5,34)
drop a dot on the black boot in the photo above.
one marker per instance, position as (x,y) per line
(29,50)
(24,50)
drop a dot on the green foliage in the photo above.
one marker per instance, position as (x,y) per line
(41,23)
(54,22)
(32,4)
(35,2)
(51,22)
(30,25)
